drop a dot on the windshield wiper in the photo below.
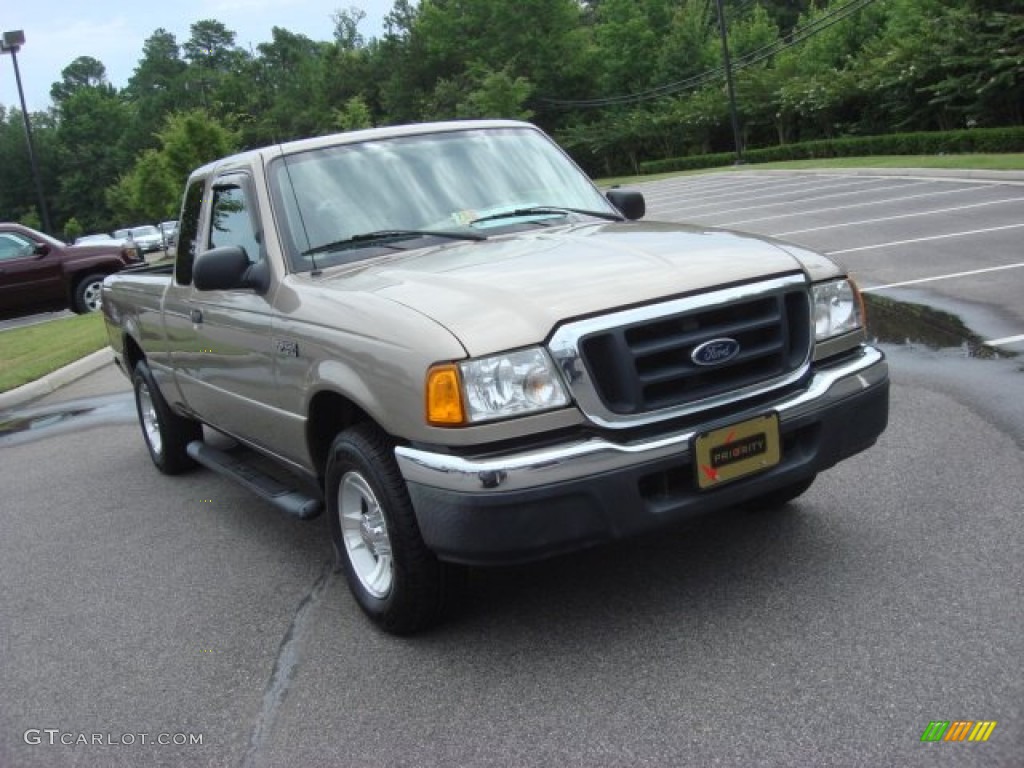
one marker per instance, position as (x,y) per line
(390,234)
(552,209)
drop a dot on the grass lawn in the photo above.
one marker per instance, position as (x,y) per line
(1007,162)
(33,351)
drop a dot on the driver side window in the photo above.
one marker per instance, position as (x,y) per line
(13,246)
(232,221)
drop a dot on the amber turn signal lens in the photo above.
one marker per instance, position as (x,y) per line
(444,397)
(860,302)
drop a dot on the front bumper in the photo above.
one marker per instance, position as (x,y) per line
(536,503)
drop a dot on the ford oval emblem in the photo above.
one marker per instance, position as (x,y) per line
(715,352)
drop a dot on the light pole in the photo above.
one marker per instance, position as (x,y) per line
(11,43)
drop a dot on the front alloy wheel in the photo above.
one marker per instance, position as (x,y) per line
(396,580)
(365,533)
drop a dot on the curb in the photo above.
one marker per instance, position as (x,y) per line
(53,381)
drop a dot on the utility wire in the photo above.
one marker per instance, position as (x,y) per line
(797,36)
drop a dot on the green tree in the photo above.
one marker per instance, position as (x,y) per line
(90,124)
(354,116)
(155,89)
(212,56)
(83,72)
(496,94)
(288,100)
(152,189)
(72,230)
(627,43)
(346,28)
(31,219)
(690,46)
(531,39)
(17,193)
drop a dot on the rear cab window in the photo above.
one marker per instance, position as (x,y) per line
(188,236)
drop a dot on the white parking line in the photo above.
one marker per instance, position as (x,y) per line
(732,189)
(901,216)
(925,239)
(787,202)
(950,276)
(778,191)
(869,204)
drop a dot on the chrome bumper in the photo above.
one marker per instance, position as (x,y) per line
(584,458)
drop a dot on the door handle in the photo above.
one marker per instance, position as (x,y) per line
(196,315)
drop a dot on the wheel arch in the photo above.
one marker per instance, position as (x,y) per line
(132,353)
(330,413)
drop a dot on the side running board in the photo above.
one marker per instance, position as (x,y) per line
(285,498)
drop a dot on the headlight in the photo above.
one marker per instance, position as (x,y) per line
(837,309)
(496,387)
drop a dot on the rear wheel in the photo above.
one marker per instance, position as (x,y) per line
(397,581)
(88,294)
(166,433)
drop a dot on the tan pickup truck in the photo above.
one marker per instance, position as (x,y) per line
(449,337)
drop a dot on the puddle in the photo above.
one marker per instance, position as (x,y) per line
(26,423)
(34,423)
(900,322)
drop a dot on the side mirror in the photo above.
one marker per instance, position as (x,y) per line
(228,268)
(629,202)
(41,249)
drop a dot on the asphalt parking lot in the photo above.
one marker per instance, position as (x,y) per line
(952,243)
(832,633)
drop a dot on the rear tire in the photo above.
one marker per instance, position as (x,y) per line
(166,433)
(88,294)
(399,583)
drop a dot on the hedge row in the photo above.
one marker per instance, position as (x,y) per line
(987,140)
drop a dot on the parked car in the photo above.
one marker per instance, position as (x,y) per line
(39,272)
(102,237)
(169,229)
(146,237)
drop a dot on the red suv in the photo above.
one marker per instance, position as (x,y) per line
(38,272)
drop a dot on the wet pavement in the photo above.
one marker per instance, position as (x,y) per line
(29,423)
(906,323)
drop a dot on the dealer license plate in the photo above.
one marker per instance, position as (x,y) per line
(732,452)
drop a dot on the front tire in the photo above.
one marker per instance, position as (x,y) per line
(88,294)
(166,433)
(399,583)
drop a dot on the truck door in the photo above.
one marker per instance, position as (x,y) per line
(224,356)
(27,277)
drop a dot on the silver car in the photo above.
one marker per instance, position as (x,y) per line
(147,238)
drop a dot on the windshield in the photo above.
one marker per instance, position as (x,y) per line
(436,181)
(147,231)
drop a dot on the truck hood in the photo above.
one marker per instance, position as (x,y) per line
(512,290)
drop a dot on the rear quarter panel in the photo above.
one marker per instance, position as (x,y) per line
(132,309)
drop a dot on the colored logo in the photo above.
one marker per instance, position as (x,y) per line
(958,730)
(715,352)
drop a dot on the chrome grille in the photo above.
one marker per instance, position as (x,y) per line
(630,365)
